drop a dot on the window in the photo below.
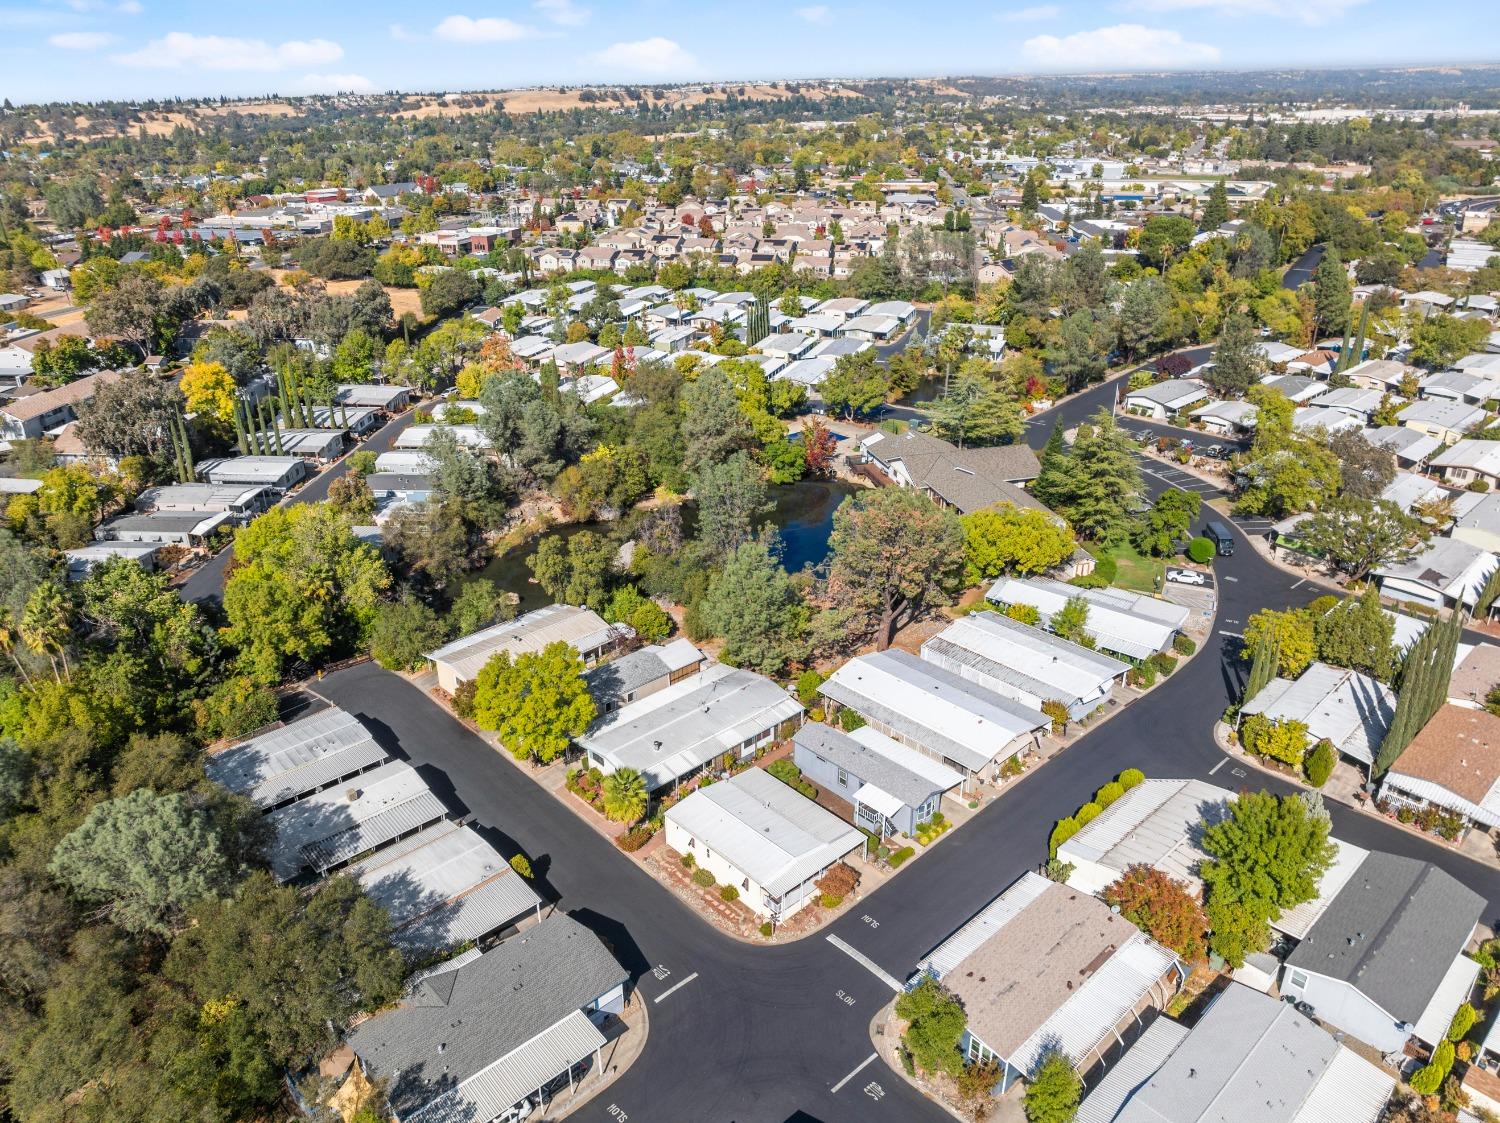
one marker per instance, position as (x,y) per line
(1296,980)
(843,778)
(745,884)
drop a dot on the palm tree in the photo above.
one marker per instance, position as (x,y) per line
(625,795)
(8,636)
(46,626)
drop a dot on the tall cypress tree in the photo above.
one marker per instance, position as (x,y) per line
(1262,666)
(1423,687)
(1050,485)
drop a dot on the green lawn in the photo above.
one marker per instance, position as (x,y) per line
(1131,570)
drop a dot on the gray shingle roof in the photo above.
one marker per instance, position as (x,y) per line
(843,751)
(1392,932)
(484,1009)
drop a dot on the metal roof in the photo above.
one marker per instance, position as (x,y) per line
(444,886)
(1016,654)
(775,836)
(874,758)
(1348,708)
(935,707)
(250,469)
(467,1021)
(1128,625)
(1157,823)
(295,759)
(339,823)
(582,628)
(1457,985)
(1128,1074)
(673,731)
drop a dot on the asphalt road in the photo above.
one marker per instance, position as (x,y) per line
(1301,271)
(207,582)
(746,1034)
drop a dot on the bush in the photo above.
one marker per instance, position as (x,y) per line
(1284,741)
(767,929)
(1131,777)
(463,699)
(1059,871)
(703,878)
(1162,663)
(900,856)
(522,865)
(1319,763)
(1201,550)
(1183,645)
(1109,793)
(688,861)
(729,893)
(1479,485)
(234,708)
(1023,613)
(1426,1081)
(790,775)
(1088,813)
(1143,676)
(1064,830)
(1058,712)
(807,686)
(1463,1021)
(830,900)
(636,837)
(849,721)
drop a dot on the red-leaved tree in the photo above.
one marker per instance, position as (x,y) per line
(1165,909)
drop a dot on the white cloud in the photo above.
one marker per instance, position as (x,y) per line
(399,32)
(818,13)
(1126,46)
(334,84)
(129,7)
(1310,12)
(656,56)
(1033,14)
(489,29)
(180,49)
(564,13)
(80,40)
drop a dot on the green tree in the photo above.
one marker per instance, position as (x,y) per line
(1358,633)
(537,703)
(1165,236)
(145,859)
(403,632)
(731,494)
(1291,634)
(1169,521)
(1071,620)
(1285,741)
(1143,314)
(1077,355)
(1268,855)
(625,795)
(893,554)
(1051,483)
(478,605)
(448,293)
(1054,1091)
(856,384)
(935,1025)
(713,425)
(1215,207)
(753,604)
(977,411)
(1358,535)
(1422,687)
(647,618)
(576,570)
(1010,539)
(1263,664)
(1239,362)
(1332,295)
(1441,340)
(1102,481)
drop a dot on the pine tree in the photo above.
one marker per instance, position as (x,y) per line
(1050,485)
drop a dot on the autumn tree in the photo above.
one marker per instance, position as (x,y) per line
(1165,909)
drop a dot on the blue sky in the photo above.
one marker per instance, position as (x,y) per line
(90,49)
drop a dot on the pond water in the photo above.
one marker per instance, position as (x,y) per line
(802,513)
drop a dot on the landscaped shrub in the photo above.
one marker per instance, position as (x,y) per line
(1056,870)
(1319,763)
(1201,550)
(1183,645)
(729,893)
(767,929)
(1162,663)
(1058,712)
(1426,1081)
(1109,793)
(1088,813)
(1065,829)
(1010,768)
(1023,613)
(840,880)
(790,775)
(831,900)
(807,686)
(703,877)
(521,865)
(900,856)
(636,837)
(849,720)
(1285,741)
(1463,1021)
(1479,485)
(1143,676)
(688,861)
(463,699)
(1131,777)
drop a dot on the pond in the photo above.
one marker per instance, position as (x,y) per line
(802,513)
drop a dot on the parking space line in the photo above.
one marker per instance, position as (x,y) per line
(857,1070)
(674,986)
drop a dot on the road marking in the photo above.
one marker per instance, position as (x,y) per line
(867,963)
(1299,584)
(1218,766)
(675,986)
(1237,772)
(1229,578)
(1235,635)
(858,1068)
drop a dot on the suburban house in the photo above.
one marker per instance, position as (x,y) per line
(1448,572)
(1349,709)
(642,672)
(580,628)
(417,436)
(1226,419)
(1299,389)
(1384,375)
(1157,823)
(891,787)
(764,838)
(483,1034)
(163,528)
(287,762)
(967,479)
(923,706)
(387,398)
(34,415)
(1248,1057)
(1475,674)
(1044,968)
(1350,401)
(720,714)
(1025,664)
(279,473)
(389,488)
(1130,625)
(1447,421)
(1163,399)
(1476,519)
(332,826)
(444,886)
(1385,961)
(1470,460)
(240,502)
(1409,448)
(1453,764)
(85,558)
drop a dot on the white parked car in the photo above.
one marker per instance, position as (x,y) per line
(1187,576)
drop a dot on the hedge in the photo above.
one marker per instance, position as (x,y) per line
(900,856)
(1463,1021)
(1426,1081)
(1183,645)
(1088,813)
(1109,793)
(1201,550)
(1131,777)
(1064,830)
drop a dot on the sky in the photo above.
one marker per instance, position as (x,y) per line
(122,49)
